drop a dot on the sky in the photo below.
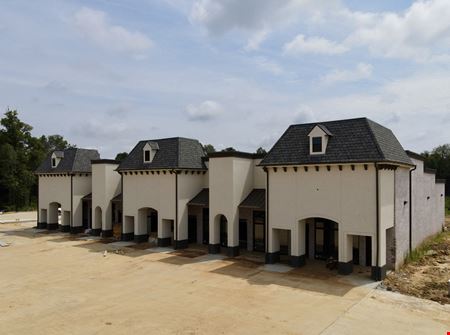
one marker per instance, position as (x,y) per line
(108,73)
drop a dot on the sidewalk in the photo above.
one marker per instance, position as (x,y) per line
(13,217)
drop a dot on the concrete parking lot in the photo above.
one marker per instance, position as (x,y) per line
(54,283)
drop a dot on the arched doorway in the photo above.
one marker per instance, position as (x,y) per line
(221,225)
(147,224)
(54,215)
(98,218)
(326,238)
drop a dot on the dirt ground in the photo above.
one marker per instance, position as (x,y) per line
(427,276)
(54,283)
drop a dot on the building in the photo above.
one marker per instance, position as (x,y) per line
(343,191)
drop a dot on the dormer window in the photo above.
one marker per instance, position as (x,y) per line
(318,139)
(57,156)
(317,144)
(53,162)
(149,151)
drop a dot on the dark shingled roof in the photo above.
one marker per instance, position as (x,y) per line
(74,160)
(87,197)
(201,199)
(173,153)
(117,198)
(255,200)
(353,141)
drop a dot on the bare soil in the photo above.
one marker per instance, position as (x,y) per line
(427,276)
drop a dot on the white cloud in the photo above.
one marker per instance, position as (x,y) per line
(362,71)
(205,111)
(314,45)
(269,66)
(423,26)
(94,24)
(255,40)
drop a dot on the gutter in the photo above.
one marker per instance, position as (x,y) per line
(38,208)
(267,211)
(71,200)
(410,207)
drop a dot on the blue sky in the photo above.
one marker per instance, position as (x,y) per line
(106,74)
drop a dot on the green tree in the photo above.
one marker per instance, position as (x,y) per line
(209,148)
(439,159)
(229,149)
(261,151)
(121,156)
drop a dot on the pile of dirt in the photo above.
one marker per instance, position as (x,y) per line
(426,277)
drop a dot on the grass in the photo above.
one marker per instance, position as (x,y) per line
(418,253)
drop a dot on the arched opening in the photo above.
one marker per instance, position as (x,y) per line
(221,225)
(53,215)
(147,224)
(98,218)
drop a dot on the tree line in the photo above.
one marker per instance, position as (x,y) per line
(21,153)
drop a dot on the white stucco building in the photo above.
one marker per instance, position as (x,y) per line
(343,190)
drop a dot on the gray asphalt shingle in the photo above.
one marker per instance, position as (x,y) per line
(73,160)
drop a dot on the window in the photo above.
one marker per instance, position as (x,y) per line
(147,156)
(53,162)
(317,144)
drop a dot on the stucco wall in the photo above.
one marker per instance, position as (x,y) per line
(401,239)
(82,186)
(106,184)
(259,176)
(230,181)
(346,197)
(155,191)
(189,185)
(54,189)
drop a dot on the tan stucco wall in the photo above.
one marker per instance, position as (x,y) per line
(54,189)
(346,197)
(106,184)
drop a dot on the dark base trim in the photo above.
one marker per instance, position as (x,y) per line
(164,241)
(233,251)
(41,225)
(107,233)
(52,226)
(182,244)
(378,272)
(96,232)
(141,238)
(345,268)
(127,237)
(76,230)
(64,229)
(214,248)
(272,257)
(297,261)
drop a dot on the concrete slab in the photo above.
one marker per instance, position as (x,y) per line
(121,244)
(280,268)
(160,250)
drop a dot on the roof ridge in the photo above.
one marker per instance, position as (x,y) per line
(74,159)
(374,138)
(329,121)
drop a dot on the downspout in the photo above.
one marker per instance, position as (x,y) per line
(176,210)
(38,208)
(267,211)
(410,207)
(122,220)
(71,200)
(377,188)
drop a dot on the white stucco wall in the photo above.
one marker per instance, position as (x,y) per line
(346,197)
(189,185)
(106,184)
(155,191)
(54,189)
(230,181)
(259,176)
(401,215)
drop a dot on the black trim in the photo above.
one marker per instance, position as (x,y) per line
(76,230)
(127,237)
(429,171)
(64,229)
(337,162)
(164,242)
(272,257)
(377,233)
(378,272)
(440,181)
(107,233)
(52,226)
(214,248)
(141,238)
(71,201)
(297,261)
(38,208)
(410,208)
(105,161)
(345,268)
(176,209)
(41,225)
(237,154)
(232,251)
(267,211)
(182,244)
(415,155)
(96,232)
